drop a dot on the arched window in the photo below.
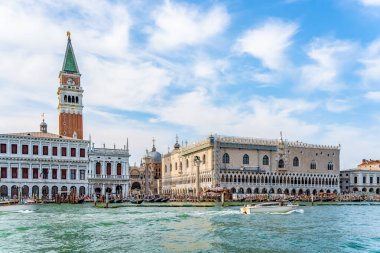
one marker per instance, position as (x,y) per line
(313,165)
(265,160)
(65,98)
(204,159)
(281,163)
(73,99)
(76,100)
(330,166)
(226,158)
(109,168)
(69,99)
(296,162)
(187,163)
(245,159)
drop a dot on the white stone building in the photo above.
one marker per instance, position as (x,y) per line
(249,165)
(42,165)
(109,171)
(364,179)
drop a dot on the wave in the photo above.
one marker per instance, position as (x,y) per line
(290,212)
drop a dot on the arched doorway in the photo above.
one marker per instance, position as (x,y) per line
(54,191)
(45,191)
(82,191)
(249,191)
(321,191)
(241,191)
(264,191)
(64,191)
(294,192)
(377,191)
(256,191)
(355,189)
(119,190)
(308,192)
(233,190)
(35,191)
(108,190)
(14,192)
(136,186)
(98,191)
(271,190)
(4,191)
(25,191)
(328,191)
(300,192)
(73,190)
(314,192)
(364,190)
(279,191)
(370,189)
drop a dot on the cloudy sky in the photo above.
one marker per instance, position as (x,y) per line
(308,68)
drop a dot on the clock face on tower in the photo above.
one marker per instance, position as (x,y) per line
(70,81)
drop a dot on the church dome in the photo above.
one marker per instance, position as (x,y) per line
(155,156)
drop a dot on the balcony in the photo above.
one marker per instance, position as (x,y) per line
(108,177)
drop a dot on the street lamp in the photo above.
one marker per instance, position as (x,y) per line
(197,162)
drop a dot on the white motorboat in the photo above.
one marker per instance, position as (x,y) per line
(269,207)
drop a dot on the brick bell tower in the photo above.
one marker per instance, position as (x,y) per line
(70,94)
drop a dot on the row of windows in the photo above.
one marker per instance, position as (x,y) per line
(71,99)
(365,180)
(281,163)
(226,159)
(180,164)
(98,169)
(45,150)
(43,175)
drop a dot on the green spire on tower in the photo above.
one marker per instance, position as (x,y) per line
(69,63)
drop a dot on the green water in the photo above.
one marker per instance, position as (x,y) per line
(83,228)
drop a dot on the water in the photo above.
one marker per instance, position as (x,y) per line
(83,228)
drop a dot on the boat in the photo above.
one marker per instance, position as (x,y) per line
(81,201)
(269,207)
(159,199)
(118,200)
(149,199)
(165,199)
(136,201)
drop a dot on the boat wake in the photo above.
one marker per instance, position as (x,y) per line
(290,212)
(25,211)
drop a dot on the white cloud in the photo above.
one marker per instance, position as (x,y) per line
(373,95)
(330,58)
(338,105)
(371,64)
(375,3)
(177,25)
(268,42)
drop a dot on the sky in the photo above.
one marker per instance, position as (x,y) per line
(308,68)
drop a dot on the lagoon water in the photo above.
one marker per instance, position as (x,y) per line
(83,228)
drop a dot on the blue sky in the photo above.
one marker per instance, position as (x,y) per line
(310,69)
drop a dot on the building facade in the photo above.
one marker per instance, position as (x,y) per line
(109,171)
(251,166)
(364,179)
(42,165)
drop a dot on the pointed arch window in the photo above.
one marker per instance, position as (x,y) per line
(281,163)
(226,158)
(265,160)
(330,166)
(296,162)
(313,165)
(245,159)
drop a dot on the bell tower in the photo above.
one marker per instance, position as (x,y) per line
(70,94)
